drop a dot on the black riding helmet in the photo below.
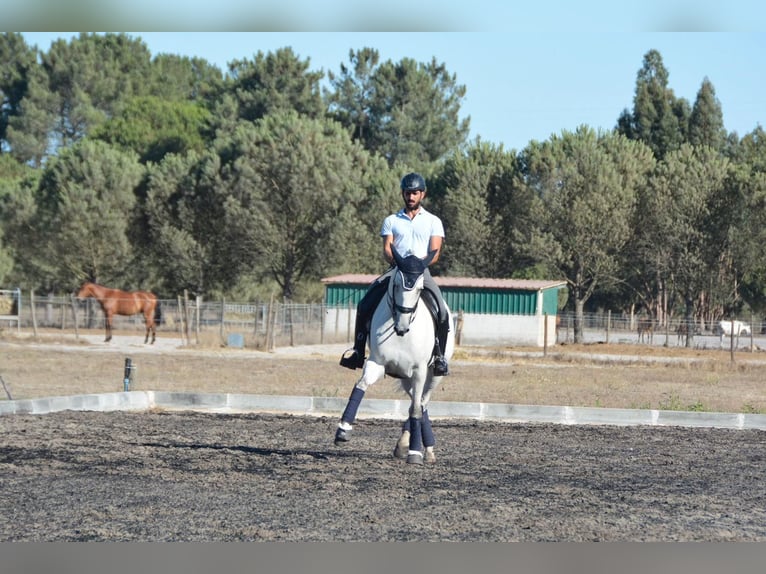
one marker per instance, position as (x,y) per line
(413,182)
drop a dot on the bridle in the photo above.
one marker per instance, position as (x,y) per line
(407,276)
(404,282)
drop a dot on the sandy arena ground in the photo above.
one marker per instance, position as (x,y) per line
(160,476)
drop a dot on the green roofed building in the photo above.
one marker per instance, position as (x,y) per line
(485,311)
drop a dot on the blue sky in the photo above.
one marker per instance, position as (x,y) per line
(528,84)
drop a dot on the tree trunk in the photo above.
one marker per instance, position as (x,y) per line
(579,320)
(689,318)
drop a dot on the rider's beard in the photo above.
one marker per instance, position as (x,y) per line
(414,207)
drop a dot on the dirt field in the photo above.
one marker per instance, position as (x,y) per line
(78,476)
(87,476)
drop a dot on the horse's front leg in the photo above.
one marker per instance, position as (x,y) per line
(108,325)
(416,420)
(429,441)
(372,372)
(149,329)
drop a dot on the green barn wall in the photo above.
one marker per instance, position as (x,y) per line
(491,301)
(551,301)
(343,295)
(468,300)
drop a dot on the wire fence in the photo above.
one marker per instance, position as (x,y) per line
(608,327)
(266,325)
(256,325)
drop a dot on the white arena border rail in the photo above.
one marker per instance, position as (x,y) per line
(140,401)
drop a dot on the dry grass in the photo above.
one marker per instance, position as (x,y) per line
(617,376)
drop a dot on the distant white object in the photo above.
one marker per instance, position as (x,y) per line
(724,328)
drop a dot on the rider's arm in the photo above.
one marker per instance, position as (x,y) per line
(388,242)
(435,245)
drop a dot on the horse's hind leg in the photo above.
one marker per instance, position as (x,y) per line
(108,324)
(428,438)
(403,444)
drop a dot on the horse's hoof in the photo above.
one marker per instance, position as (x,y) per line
(402,446)
(342,436)
(430,457)
(415,458)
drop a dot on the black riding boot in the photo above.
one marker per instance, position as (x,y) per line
(441,367)
(355,360)
(364,311)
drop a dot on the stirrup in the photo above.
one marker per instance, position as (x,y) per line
(352,361)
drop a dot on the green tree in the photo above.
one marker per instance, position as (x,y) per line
(351,99)
(408,112)
(85,203)
(585,184)
(277,81)
(478,210)
(682,221)
(17,208)
(16,61)
(286,199)
(658,119)
(747,202)
(93,75)
(29,130)
(295,189)
(468,222)
(181,78)
(178,219)
(153,127)
(6,260)
(706,121)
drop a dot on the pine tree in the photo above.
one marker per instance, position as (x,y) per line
(658,118)
(706,121)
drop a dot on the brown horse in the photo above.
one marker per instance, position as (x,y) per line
(682,332)
(115,302)
(645,330)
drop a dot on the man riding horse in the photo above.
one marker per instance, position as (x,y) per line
(411,231)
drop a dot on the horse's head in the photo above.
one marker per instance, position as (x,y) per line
(406,285)
(84,291)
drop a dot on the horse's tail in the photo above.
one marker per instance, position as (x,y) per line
(158,312)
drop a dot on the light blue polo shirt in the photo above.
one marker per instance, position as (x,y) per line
(412,236)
